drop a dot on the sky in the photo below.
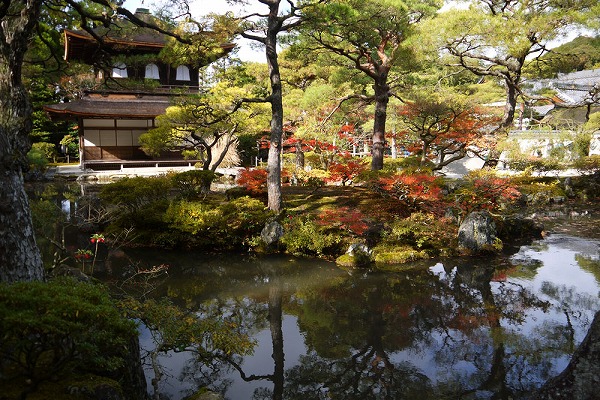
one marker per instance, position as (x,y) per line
(246,52)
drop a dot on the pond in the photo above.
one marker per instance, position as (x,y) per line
(470,328)
(475,328)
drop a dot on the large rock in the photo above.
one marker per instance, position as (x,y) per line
(97,389)
(65,270)
(357,255)
(517,229)
(478,234)
(272,233)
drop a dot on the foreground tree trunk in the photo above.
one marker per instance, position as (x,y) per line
(511,105)
(274,162)
(382,98)
(20,258)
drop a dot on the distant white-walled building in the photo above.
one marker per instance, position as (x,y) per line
(574,89)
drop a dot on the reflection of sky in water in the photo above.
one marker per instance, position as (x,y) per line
(261,363)
(557,268)
(559,264)
(561,271)
(66,208)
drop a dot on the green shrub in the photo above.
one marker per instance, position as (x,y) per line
(70,143)
(247,148)
(50,330)
(581,144)
(394,165)
(193,183)
(316,160)
(148,222)
(425,233)
(541,191)
(37,157)
(48,149)
(306,238)
(223,226)
(409,165)
(134,192)
(369,177)
(315,178)
(396,255)
(588,165)
(535,164)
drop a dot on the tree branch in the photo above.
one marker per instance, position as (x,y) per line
(344,99)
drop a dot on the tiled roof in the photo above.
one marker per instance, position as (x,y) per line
(121,36)
(117,107)
(573,88)
(586,77)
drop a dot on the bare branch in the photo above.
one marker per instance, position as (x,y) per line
(344,99)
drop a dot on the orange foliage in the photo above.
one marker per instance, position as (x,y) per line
(442,131)
(345,171)
(486,192)
(415,189)
(254,180)
(345,219)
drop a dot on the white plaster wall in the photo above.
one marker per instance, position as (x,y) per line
(595,145)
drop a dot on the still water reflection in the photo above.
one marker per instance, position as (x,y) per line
(460,329)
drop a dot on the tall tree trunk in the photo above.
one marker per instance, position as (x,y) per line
(382,98)
(425,152)
(274,160)
(20,257)
(507,120)
(511,105)
(299,156)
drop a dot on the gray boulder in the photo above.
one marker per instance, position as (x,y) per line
(478,234)
(357,255)
(76,273)
(272,233)
(104,389)
(204,394)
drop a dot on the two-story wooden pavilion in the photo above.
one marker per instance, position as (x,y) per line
(134,87)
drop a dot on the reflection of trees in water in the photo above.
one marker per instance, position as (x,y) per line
(590,264)
(499,360)
(572,304)
(364,375)
(353,328)
(366,334)
(252,314)
(362,333)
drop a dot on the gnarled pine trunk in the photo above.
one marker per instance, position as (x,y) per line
(382,97)
(274,162)
(20,258)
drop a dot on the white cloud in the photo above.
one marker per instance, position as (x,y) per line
(454,5)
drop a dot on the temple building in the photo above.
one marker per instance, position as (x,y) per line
(130,91)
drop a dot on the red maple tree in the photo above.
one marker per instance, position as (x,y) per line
(442,130)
